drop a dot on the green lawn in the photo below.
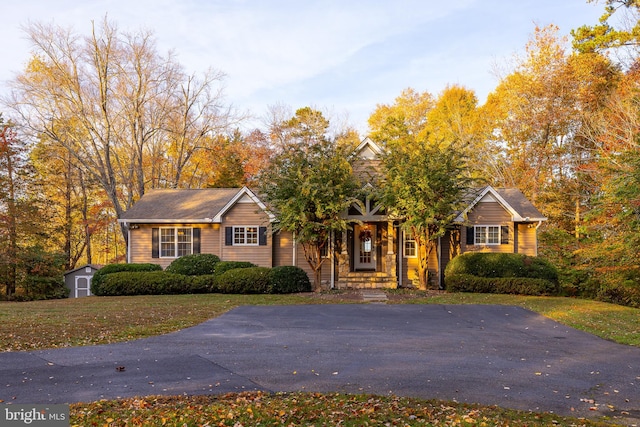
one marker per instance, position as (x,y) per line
(94,320)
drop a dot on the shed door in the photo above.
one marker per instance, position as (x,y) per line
(83,286)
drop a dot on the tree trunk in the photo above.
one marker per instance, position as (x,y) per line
(10,285)
(85,219)
(67,216)
(577,218)
(313,255)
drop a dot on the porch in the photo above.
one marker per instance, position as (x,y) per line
(367,257)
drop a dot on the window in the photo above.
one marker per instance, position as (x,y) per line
(245,236)
(487,234)
(175,242)
(409,246)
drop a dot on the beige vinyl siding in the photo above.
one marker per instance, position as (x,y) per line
(282,249)
(527,239)
(410,270)
(246,214)
(489,214)
(140,245)
(283,255)
(141,242)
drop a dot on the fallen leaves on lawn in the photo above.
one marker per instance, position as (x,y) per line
(302,409)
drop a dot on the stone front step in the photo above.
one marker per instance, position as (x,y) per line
(374,296)
(366,280)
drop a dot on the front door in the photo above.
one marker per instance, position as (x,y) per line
(365,247)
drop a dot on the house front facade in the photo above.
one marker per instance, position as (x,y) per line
(236,225)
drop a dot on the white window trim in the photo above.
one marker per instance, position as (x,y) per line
(486,234)
(405,240)
(175,243)
(244,239)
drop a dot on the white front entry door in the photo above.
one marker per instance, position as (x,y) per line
(365,247)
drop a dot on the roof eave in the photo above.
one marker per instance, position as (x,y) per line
(167,221)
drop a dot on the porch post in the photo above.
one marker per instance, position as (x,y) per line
(343,261)
(391,256)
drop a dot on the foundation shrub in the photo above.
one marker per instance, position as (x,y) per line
(194,264)
(289,279)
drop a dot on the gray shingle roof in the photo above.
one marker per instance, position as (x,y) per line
(520,203)
(181,205)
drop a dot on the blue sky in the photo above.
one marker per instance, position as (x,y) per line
(341,56)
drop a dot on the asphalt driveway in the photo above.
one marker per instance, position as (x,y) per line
(500,355)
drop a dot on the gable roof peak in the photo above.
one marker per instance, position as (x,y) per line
(368,148)
(511,199)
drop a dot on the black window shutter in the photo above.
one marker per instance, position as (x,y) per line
(504,235)
(155,243)
(262,236)
(196,240)
(471,238)
(228,236)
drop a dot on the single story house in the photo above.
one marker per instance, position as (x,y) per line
(235,224)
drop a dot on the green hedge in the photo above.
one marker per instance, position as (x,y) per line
(224,266)
(247,280)
(151,283)
(485,264)
(98,276)
(501,285)
(288,279)
(194,264)
(253,280)
(501,273)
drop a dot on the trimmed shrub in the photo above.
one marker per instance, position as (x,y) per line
(224,266)
(483,264)
(150,283)
(288,279)
(206,283)
(252,280)
(98,276)
(194,264)
(501,285)
(501,273)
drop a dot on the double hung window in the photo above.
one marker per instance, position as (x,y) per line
(176,242)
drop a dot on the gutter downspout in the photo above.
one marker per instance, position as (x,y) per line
(295,249)
(128,245)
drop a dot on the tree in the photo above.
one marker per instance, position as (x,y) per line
(309,184)
(8,154)
(23,222)
(604,36)
(540,112)
(409,111)
(70,197)
(423,185)
(128,116)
